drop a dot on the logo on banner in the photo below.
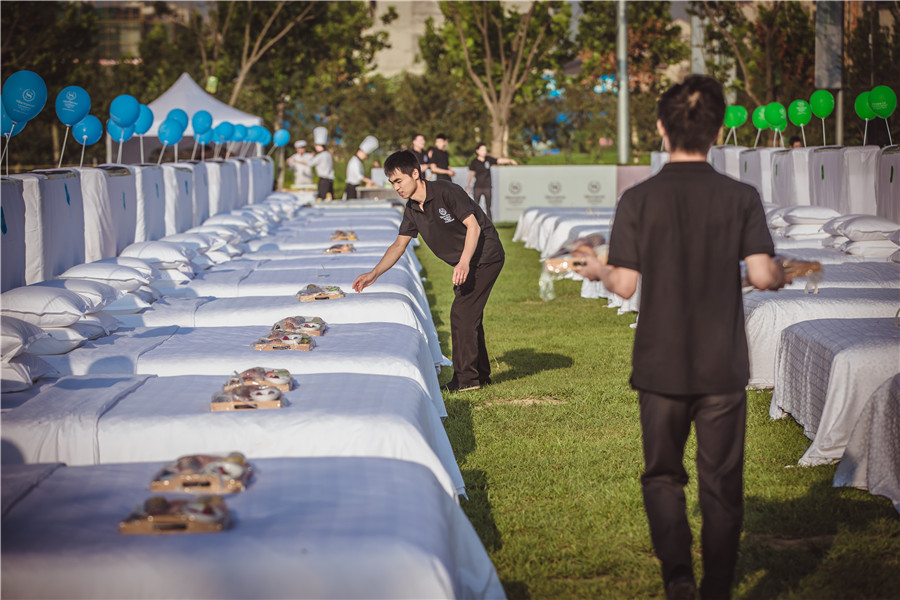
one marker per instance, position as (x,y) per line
(515,187)
(554,187)
(594,187)
(445,216)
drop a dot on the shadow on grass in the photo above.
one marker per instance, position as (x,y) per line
(523,362)
(825,544)
(478,507)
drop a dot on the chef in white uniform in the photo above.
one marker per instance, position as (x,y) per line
(323,163)
(299,162)
(356,174)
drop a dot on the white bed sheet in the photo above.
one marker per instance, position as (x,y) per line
(150,186)
(312,528)
(12,237)
(242,169)
(409,256)
(571,228)
(320,239)
(179,198)
(825,256)
(767,314)
(199,190)
(826,371)
(98,419)
(887,184)
(223,186)
(871,459)
(855,275)
(110,209)
(20,480)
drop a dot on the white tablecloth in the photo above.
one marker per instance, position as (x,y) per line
(98,419)
(768,313)
(726,160)
(179,198)
(858,180)
(150,186)
(826,370)
(826,168)
(305,528)
(871,459)
(110,207)
(12,236)
(199,190)
(789,177)
(223,186)
(887,184)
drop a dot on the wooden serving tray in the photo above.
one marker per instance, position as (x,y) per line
(339,249)
(204,473)
(247,397)
(343,236)
(260,376)
(314,326)
(315,292)
(285,341)
(161,516)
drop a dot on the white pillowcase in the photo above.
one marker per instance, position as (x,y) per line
(127,304)
(870,248)
(833,226)
(16,335)
(895,237)
(51,345)
(43,306)
(796,215)
(805,231)
(98,324)
(20,373)
(774,217)
(96,293)
(141,266)
(124,279)
(160,254)
(868,227)
(895,257)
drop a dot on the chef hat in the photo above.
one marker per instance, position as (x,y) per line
(320,135)
(300,144)
(369,145)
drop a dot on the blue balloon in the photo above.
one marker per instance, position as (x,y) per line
(205,137)
(253,134)
(201,121)
(170,132)
(124,110)
(176,114)
(265,137)
(72,104)
(88,131)
(7,127)
(119,134)
(144,121)
(240,133)
(281,137)
(223,131)
(24,96)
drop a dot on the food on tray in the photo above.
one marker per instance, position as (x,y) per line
(247,397)
(339,249)
(316,292)
(311,325)
(205,473)
(281,340)
(562,260)
(343,236)
(261,376)
(159,515)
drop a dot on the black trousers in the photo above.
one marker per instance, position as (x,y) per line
(477,193)
(350,191)
(326,186)
(471,364)
(720,422)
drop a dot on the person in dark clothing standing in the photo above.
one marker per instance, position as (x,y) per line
(685,232)
(480,170)
(418,148)
(460,234)
(439,159)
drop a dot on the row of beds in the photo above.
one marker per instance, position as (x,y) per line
(356,488)
(831,356)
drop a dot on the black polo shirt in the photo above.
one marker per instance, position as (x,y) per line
(482,170)
(440,159)
(421,157)
(686,231)
(441,224)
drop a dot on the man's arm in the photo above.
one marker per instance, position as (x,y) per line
(390,258)
(764,273)
(469,181)
(473,231)
(507,161)
(618,280)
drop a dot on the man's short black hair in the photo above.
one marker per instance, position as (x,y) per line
(479,145)
(692,113)
(440,136)
(403,161)
(415,135)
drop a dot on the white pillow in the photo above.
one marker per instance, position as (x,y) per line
(72,333)
(218,256)
(16,335)
(895,257)
(895,237)
(20,373)
(808,214)
(43,306)
(833,226)
(101,321)
(159,253)
(197,241)
(835,241)
(51,345)
(774,217)
(868,227)
(805,231)
(870,248)
(124,279)
(147,294)
(142,266)
(96,293)
(227,233)
(128,304)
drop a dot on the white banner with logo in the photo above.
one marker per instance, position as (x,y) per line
(519,188)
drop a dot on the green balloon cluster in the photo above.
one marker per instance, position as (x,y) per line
(822,103)
(879,102)
(735,116)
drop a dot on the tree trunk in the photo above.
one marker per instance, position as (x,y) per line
(279,118)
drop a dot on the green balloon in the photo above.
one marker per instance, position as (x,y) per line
(741,113)
(776,114)
(800,112)
(729,116)
(822,103)
(863,111)
(779,126)
(759,118)
(882,101)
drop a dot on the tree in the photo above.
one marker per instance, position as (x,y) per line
(500,49)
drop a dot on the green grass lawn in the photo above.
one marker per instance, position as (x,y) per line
(551,456)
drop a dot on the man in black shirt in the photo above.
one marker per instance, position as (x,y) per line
(685,231)
(480,171)
(459,233)
(439,159)
(418,149)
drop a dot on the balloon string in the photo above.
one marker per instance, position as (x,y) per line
(83,146)
(142,148)
(63,151)
(735,136)
(203,153)
(756,142)
(119,160)
(886,124)
(269,153)
(728,137)
(175,145)
(803,132)
(824,143)
(865,132)
(6,146)
(194,151)
(161,152)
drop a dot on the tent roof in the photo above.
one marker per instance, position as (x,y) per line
(190,97)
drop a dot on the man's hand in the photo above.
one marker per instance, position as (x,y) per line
(451,173)
(364,281)
(460,273)
(586,263)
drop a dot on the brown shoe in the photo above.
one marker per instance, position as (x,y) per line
(681,589)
